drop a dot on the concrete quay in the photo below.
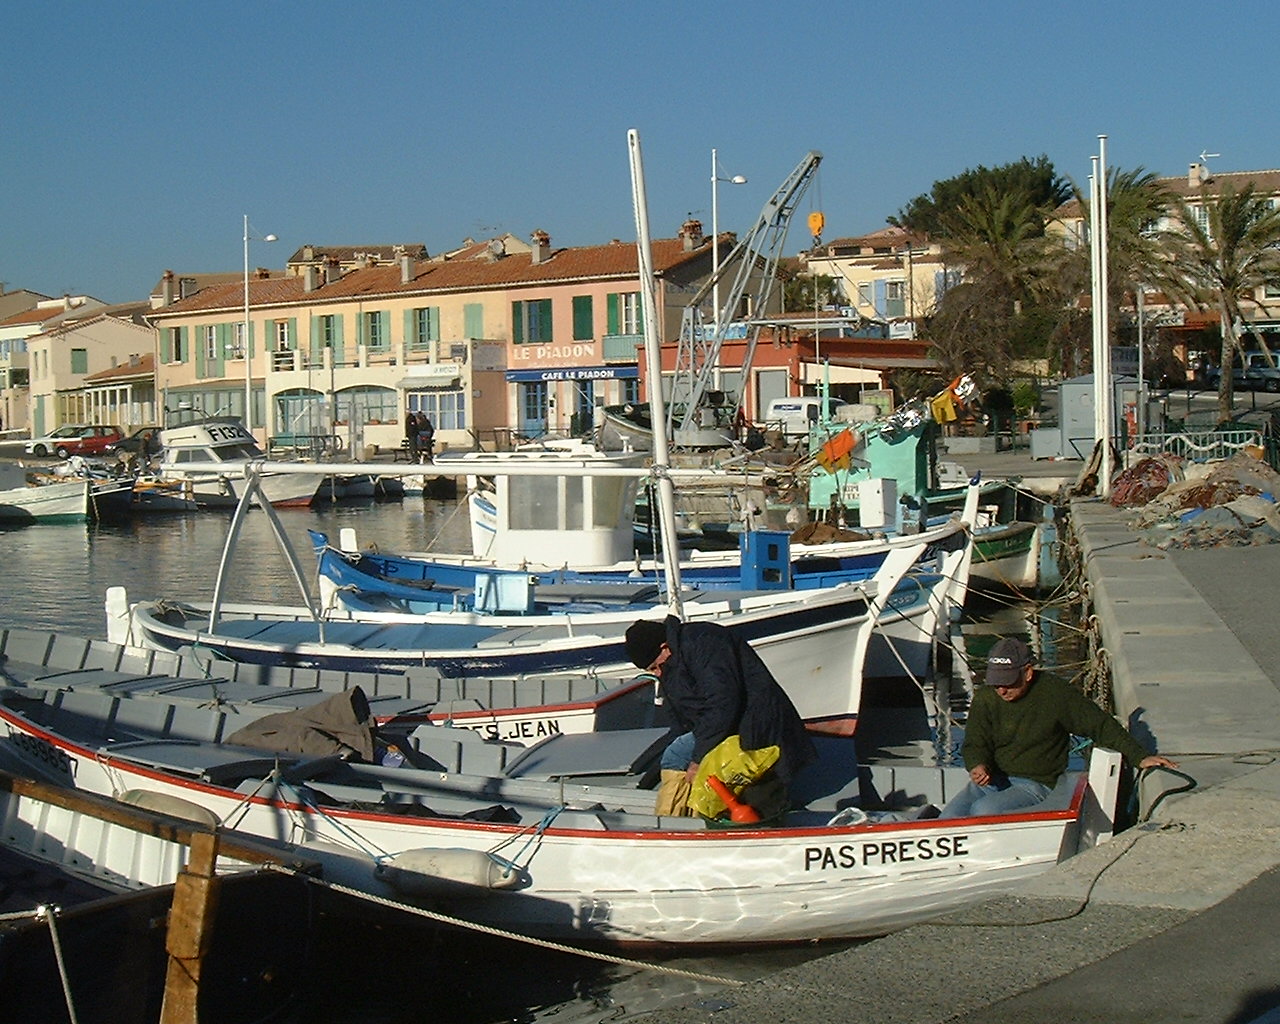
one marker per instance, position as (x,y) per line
(1175,919)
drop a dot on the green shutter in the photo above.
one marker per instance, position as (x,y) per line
(316,346)
(473,320)
(293,333)
(166,345)
(639,313)
(384,325)
(545,308)
(410,325)
(517,323)
(184,344)
(612,312)
(583,327)
(200,358)
(433,323)
(337,338)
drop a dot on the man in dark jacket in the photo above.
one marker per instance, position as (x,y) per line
(1018,735)
(715,686)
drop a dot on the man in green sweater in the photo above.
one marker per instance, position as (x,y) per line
(1019,733)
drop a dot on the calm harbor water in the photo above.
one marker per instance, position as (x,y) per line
(56,577)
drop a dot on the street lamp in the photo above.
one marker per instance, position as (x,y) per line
(737,179)
(248,366)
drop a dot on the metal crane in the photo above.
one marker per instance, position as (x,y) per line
(700,416)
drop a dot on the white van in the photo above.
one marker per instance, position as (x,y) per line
(794,416)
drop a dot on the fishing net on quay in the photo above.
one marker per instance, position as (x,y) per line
(1181,504)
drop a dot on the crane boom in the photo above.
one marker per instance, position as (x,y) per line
(698,415)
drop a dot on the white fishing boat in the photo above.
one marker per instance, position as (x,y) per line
(553,839)
(213,455)
(24,498)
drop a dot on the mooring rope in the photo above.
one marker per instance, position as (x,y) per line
(50,911)
(502,933)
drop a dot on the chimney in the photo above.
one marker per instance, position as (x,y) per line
(309,277)
(406,268)
(541,247)
(691,234)
(1197,175)
(166,289)
(308,252)
(332,270)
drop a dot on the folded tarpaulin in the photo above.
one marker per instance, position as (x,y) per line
(340,725)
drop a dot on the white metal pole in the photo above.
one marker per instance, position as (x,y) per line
(1093,303)
(653,375)
(1109,393)
(715,238)
(1142,375)
(248,379)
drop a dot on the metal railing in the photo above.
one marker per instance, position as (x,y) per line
(1196,445)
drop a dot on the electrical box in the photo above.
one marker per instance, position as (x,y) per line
(878,503)
(766,560)
(508,593)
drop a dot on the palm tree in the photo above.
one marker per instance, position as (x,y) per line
(1221,259)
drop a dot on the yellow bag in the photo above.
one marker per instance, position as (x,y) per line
(735,767)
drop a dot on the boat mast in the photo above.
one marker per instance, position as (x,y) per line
(653,377)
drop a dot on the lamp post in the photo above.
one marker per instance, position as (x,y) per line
(737,179)
(248,365)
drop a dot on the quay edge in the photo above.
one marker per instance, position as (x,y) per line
(1173,919)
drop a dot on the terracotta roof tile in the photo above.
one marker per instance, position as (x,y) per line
(144,367)
(616,259)
(32,316)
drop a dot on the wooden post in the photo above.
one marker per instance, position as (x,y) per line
(191,919)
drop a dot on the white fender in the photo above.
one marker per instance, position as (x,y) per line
(438,871)
(174,806)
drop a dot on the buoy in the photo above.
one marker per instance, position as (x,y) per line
(175,806)
(743,814)
(435,872)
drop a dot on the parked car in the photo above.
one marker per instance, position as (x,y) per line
(74,439)
(143,441)
(1254,375)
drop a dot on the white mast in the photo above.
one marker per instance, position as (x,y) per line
(653,378)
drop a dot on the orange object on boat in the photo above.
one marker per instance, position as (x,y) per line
(738,811)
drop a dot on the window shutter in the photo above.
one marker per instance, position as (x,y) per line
(384,324)
(545,309)
(293,332)
(879,302)
(317,339)
(612,312)
(183,347)
(517,323)
(166,345)
(583,328)
(411,327)
(201,361)
(337,337)
(473,320)
(433,324)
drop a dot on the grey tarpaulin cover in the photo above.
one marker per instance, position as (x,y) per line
(335,726)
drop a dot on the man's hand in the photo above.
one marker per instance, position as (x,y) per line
(1156,761)
(691,772)
(980,775)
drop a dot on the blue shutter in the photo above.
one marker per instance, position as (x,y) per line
(878,301)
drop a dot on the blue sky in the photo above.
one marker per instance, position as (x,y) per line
(135,136)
